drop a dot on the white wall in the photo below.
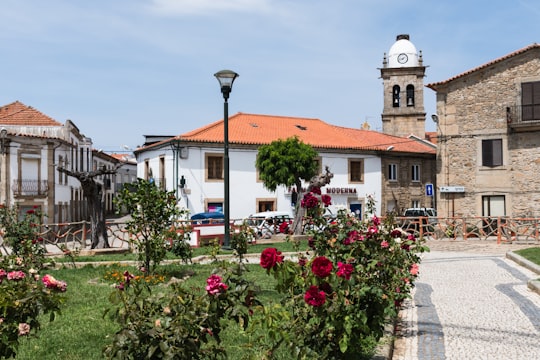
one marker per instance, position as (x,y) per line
(244,187)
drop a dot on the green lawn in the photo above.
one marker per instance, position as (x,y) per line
(531,254)
(252,249)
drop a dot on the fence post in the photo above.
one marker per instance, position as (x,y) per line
(499,230)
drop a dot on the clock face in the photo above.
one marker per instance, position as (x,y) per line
(402,58)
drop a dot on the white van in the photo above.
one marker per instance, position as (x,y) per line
(267,223)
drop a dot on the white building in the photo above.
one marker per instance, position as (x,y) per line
(191,164)
(32,146)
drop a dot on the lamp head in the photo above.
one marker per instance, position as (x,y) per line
(435,118)
(226,79)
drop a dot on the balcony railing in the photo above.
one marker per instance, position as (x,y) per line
(23,187)
(526,117)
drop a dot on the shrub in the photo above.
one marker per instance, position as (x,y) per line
(21,233)
(337,302)
(182,322)
(153,215)
(24,296)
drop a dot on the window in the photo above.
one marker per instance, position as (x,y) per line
(493,205)
(415,173)
(356,170)
(214,167)
(395,96)
(415,204)
(410,95)
(266,205)
(392,172)
(530,101)
(492,152)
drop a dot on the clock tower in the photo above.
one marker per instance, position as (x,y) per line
(403,80)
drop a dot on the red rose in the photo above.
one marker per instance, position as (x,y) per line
(270,257)
(345,270)
(321,266)
(314,296)
(327,200)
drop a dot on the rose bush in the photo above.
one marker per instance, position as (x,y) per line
(336,298)
(21,232)
(23,298)
(339,298)
(181,322)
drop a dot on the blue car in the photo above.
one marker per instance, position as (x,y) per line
(208,217)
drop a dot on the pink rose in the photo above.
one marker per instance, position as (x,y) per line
(215,285)
(414,269)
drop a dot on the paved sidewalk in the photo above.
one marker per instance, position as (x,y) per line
(470,302)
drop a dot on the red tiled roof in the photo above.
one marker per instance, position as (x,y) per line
(433,86)
(251,129)
(17,113)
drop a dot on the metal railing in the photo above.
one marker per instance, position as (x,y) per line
(521,115)
(24,187)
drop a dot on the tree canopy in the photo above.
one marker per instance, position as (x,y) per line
(286,162)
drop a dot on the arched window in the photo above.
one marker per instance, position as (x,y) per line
(410,95)
(395,96)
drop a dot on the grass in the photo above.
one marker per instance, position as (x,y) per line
(81,331)
(531,254)
(252,249)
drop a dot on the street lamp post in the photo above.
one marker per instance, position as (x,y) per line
(226,79)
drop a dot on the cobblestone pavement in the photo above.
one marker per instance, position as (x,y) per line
(470,302)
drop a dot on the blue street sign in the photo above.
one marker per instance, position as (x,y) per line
(429,189)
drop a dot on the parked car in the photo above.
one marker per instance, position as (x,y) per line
(267,223)
(415,218)
(208,217)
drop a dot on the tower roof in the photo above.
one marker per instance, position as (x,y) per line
(403,53)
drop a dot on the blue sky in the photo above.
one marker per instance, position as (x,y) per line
(121,69)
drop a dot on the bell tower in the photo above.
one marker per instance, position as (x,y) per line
(403,80)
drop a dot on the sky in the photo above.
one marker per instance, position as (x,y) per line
(122,69)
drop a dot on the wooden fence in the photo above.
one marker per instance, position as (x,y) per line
(76,235)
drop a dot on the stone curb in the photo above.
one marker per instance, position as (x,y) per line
(534,285)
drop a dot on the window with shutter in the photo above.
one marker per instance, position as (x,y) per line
(214,167)
(492,152)
(530,101)
(356,171)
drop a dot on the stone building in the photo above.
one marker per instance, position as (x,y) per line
(489,138)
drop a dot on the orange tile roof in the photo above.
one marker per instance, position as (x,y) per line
(434,86)
(17,113)
(251,129)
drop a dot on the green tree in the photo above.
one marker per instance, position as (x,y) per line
(287,162)
(153,215)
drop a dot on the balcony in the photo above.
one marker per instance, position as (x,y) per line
(521,118)
(30,188)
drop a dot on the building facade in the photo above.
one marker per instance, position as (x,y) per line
(489,130)
(191,164)
(32,147)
